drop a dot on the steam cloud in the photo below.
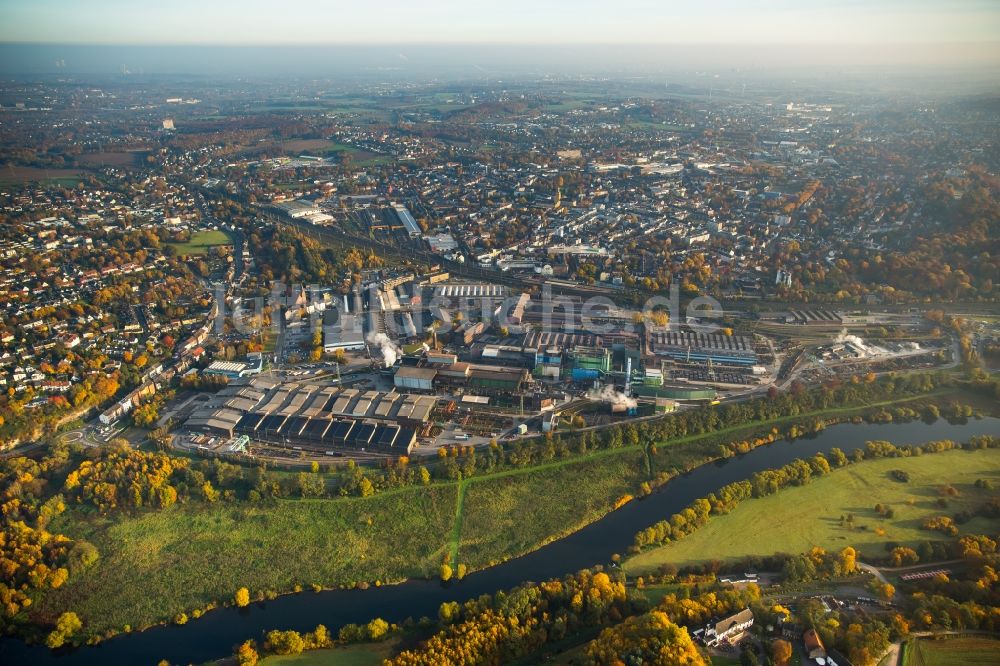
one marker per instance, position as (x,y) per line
(390,352)
(609,395)
(844,337)
(857,342)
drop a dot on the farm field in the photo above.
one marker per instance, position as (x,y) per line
(108,158)
(969,651)
(797,518)
(18,175)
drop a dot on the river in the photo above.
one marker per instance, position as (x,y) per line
(216,633)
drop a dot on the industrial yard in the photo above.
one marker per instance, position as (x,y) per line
(430,362)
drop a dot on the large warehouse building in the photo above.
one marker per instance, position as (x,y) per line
(406,219)
(692,347)
(306,416)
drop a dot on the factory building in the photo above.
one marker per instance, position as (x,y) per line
(310,416)
(591,358)
(814,318)
(507,355)
(467,332)
(414,379)
(341,331)
(492,380)
(236,369)
(454,374)
(478,302)
(325,434)
(489,380)
(692,347)
(406,219)
(440,358)
(673,393)
(473,291)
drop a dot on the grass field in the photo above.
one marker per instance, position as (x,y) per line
(183,558)
(798,518)
(559,500)
(164,556)
(358,157)
(369,654)
(951,652)
(201,241)
(314,146)
(365,158)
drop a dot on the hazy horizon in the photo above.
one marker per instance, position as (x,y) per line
(956,44)
(461,61)
(513,21)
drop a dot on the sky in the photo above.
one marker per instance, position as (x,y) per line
(667,22)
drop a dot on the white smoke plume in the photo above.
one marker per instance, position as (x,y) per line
(853,339)
(609,395)
(390,352)
(426,346)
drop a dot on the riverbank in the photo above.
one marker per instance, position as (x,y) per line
(189,558)
(217,632)
(795,519)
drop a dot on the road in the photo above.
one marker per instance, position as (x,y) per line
(891,656)
(868,568)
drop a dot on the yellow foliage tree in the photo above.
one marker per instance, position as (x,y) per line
(781,652)
(652,637)
(246,654)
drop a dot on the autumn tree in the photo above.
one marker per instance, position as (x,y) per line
(781,652)
(649,639)
(848,560)
(285,642)
(246,654)
(377,629)
(66,626)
